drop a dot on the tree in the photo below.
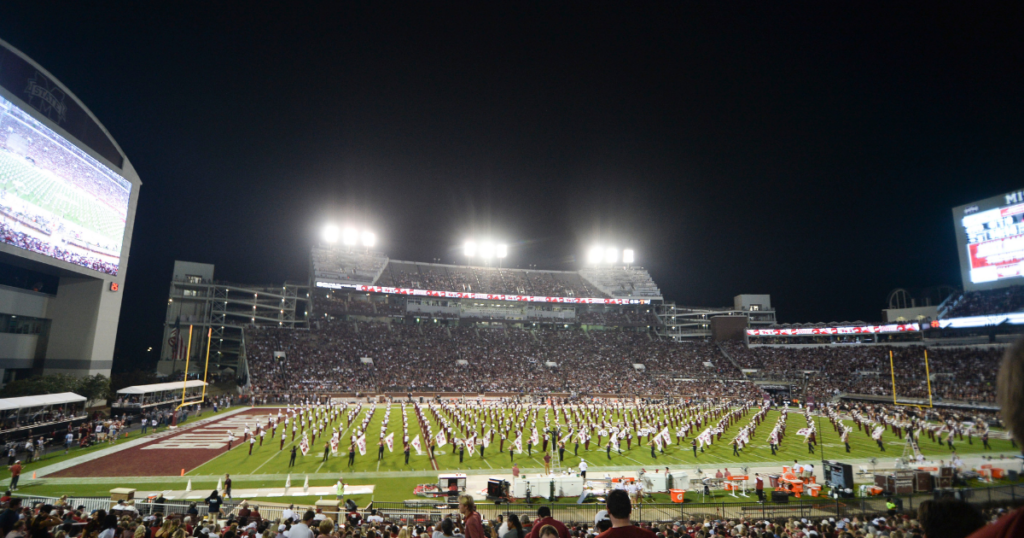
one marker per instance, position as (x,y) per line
(96,387)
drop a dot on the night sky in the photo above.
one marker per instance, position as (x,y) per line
(810,151)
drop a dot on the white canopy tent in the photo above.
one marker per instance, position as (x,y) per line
(42,410)
(141,396)
(161,387)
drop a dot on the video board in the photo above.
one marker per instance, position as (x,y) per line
(56,199)
(990,239)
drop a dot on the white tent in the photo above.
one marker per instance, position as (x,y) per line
(639,367)
(23,402)
(161,387)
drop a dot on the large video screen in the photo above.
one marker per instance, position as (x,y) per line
(990,237)
(55,199)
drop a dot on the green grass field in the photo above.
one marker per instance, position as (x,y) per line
(270,460)
(395,480)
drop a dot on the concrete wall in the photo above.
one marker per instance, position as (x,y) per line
(892,315)
(19,302)
(743,302)
(84,318)
(182,268)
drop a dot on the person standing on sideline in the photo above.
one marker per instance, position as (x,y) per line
(547,463)
(291,461)
(583,470)
(759,487)
(15,474)
(227,486)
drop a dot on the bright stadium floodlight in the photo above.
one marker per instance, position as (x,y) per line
(469,249)
(594,255)
(611,254)
(369,239)
(350,237)
(487,250)
(627,256)
(330,233)
(501,251)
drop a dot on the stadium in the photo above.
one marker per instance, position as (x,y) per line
(400,382)
(370,396)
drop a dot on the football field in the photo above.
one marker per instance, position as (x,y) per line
(202,454)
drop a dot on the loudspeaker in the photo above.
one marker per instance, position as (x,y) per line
(780,497)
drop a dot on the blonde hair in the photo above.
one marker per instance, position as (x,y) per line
(468,502)
(1010,390)
(326,526)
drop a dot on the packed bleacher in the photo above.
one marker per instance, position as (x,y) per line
(622,281)
(346,266)
(965,374)
(420,357)
(485,280)
(978,303)
(22,240)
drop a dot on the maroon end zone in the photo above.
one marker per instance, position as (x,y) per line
(187,448)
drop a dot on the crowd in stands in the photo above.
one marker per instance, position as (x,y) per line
(346,265)
(20,418)
(959,374)
(998,301)
(22,240)
(38,143)
(485,280)
(422,357)
(622,281)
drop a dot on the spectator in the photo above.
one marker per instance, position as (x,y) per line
(544,515)
(619,508)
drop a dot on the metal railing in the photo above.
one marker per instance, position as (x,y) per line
(429,511)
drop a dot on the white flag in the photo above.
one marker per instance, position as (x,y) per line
(416,445)
(390,441)
(361,444)
(440,439)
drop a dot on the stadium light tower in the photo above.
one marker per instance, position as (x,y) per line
(594,255)
(350,237)
(501,252)
(610,255)
(369,239)
(330,233)
(487,250)
(627,256)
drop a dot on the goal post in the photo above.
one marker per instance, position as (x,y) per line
(928,379)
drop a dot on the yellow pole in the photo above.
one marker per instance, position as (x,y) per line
(928,375)
(188,354)
(209,337)
(892,370)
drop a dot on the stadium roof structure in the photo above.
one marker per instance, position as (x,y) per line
(23,402)
(161,387)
